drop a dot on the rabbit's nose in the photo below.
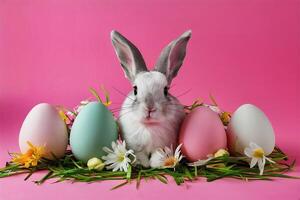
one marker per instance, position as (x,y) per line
(149,111)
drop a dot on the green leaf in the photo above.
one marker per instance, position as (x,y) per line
(188,173)
(29,174)
(161,178)
(138,179)
(178,179)
(47,176)
(74,162)
(120,185)
(195,171)
(128,175)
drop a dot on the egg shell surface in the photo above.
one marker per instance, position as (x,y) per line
(250,124)
(202,133)
(44,127)
(93,129)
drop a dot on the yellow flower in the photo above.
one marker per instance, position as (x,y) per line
(107,103)
(225,118)
(95,163)
(62,115)
(30,158)
(106,94)
(221,152)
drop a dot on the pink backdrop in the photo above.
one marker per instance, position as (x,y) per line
(240,51)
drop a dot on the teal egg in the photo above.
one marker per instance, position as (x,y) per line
(93,129)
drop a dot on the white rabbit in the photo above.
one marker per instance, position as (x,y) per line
(150,117)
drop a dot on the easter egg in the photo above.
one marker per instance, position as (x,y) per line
(93,129)
(202,133)
(43,126)
(250,124)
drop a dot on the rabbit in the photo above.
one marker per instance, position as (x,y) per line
(150,116)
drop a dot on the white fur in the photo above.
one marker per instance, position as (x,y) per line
(145,138)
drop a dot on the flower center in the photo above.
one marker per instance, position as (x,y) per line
(121,157)
(170,161)
(258,153)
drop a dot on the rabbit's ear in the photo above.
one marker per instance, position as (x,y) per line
(172,56)
(129,56)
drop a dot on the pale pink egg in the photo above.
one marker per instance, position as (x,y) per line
(202,133)
(44,127)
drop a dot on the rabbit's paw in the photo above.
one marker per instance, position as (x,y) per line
(142,159)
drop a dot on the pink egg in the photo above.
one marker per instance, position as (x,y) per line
(44,127)
(202,133)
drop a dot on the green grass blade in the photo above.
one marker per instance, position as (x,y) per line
(161,178)
(138,179)
(120,185)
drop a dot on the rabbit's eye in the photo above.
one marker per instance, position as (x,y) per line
(135,90)
(166,91)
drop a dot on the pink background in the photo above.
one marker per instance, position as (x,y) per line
(240,51)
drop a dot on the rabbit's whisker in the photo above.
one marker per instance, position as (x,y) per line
(120,108)
(175,110)
(121,104)
(123,108)
(115,111)
(123,94)
(184,93)
(173,104)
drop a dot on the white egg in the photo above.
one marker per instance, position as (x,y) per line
(44,127)
(250,124)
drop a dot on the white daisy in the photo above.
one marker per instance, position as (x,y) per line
(257,155)
(166,158)
(117,158)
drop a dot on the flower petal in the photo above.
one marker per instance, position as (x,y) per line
(168,151)
(114,145)
(261,166)
(253,145)
(107,150)
(253,162)
(248,152)
(269,159)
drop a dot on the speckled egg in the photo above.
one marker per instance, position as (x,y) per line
(202,133)
(93,129)
(44,127)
